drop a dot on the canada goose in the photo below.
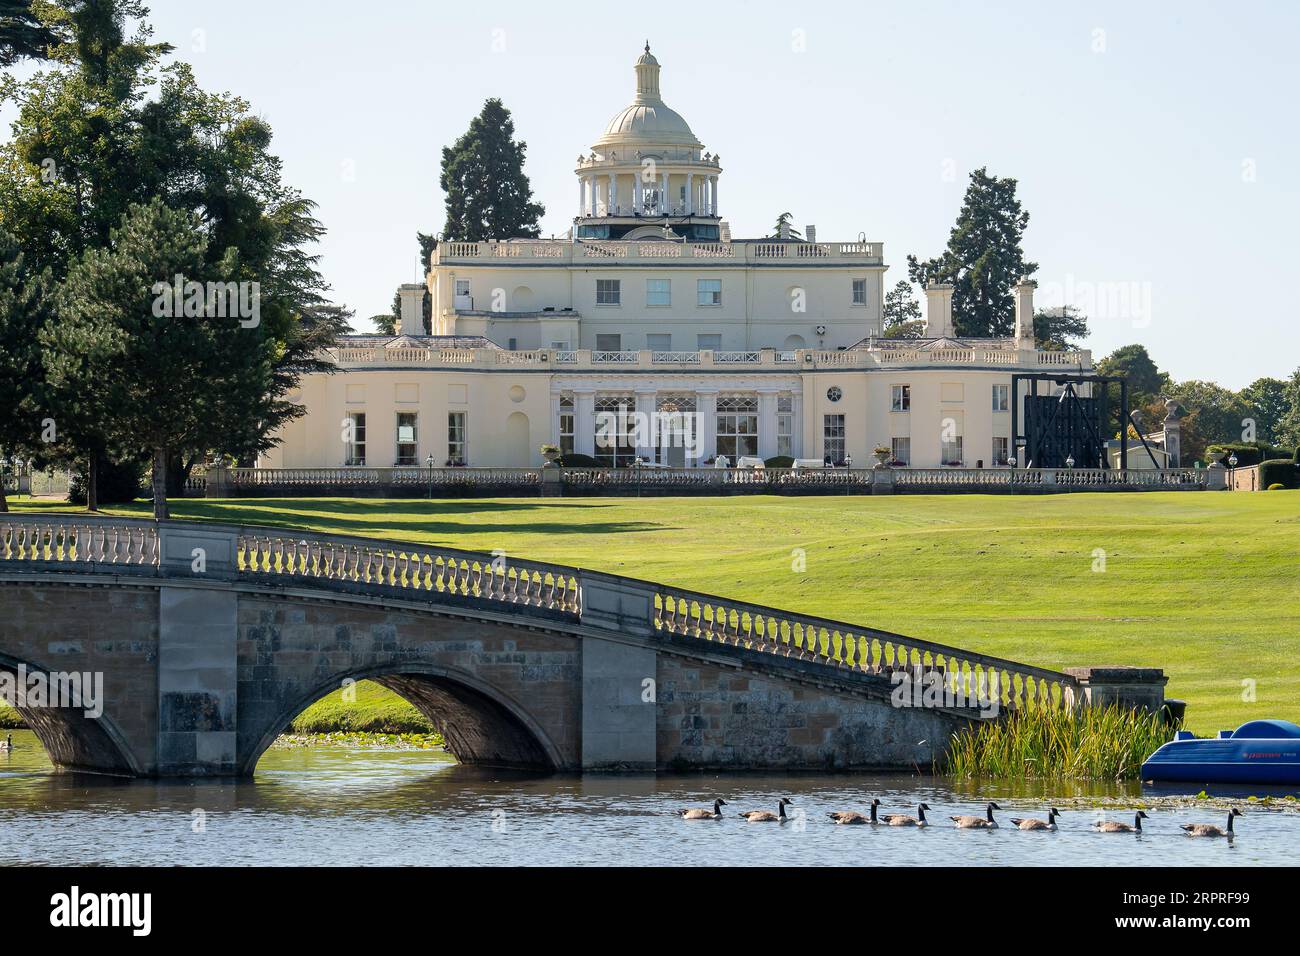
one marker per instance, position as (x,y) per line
(978,823)
(1111,826)
(9,742)
(1206,830)
(901,820)
(852,816)
(1048,824)
(767,816)
(701,814)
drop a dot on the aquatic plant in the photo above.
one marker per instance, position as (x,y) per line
(1089,743)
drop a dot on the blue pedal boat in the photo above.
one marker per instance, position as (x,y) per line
(1261,751)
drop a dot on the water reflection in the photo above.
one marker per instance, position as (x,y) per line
(333,806)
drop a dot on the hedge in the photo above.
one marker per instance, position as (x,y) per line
(1279,471)
(1247,453)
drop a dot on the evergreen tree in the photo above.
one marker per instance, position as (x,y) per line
(902,313)
(488,194)
(1288,426)
(783,222)
(1059,330)
(24,35)
(983,260)
(25,313)
(1145,381)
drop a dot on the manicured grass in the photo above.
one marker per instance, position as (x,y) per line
(375,710)
(1203,585)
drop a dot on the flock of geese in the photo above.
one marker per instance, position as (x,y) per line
(961,821)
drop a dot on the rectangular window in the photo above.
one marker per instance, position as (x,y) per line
(901,448)
(708,341)
(902,399)
(833,439)
(609,342)
(512,344)
(457,443)
(785,426)
(658,292)
(1000,451)
(566,424)
(709,291)
(737,426)
(408,439)
(659,341)
(615,430)
(951,452)
(355,451)
(608,291)
(859,291)
(462,287)
(1001,398)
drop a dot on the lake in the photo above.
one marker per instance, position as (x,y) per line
(326,804)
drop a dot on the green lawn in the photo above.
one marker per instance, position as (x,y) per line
(1204,585)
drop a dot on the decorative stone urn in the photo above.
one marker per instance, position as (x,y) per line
(883,455)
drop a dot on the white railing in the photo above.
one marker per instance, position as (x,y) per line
(82,542)
(564,250)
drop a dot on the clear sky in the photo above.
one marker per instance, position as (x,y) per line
(1156,144)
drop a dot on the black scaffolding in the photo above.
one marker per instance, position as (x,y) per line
(1066,425)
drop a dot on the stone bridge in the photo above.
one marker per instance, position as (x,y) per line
(210,639)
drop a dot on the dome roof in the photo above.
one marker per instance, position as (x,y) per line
(648,121)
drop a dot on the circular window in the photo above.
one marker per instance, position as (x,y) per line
(516,393)
(834,393)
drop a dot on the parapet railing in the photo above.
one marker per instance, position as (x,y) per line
(83,543)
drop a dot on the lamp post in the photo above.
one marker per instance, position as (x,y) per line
(429,464)
(1232,471)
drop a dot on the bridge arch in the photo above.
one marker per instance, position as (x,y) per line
(481,724)
(74,741)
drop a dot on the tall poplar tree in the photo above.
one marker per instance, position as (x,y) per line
(983,260)
(488,194)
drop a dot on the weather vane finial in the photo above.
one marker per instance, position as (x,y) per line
(647,46)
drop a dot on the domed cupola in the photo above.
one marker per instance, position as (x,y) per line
(648,164)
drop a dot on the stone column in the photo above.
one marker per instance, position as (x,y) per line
(706,408)
(796,432)
(582,195)
(767,423)
(1130,687)
(647,439)
(665,201)
(613,196)
(584,421)
(690,195)
(636,191)
(555,418)
(1173,435)
(713,195)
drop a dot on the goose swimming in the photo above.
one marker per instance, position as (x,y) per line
(852,816)
(699,813)
(987,822)
(1112,826)
(1048,824)
(767,816)
(1207,830)
(902,820)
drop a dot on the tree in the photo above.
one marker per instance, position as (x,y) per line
(1145,381)
(902,313)
(1266,398)
(983,259)
(783,222)
(24,35)
(1211,414)
(1288,426)
(1058,330)
(25,313)
(488,194)
(390,324)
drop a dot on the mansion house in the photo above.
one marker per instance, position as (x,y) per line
(734,347)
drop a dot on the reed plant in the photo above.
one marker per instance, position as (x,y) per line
(1087,743)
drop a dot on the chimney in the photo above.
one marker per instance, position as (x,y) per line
(938,310)
(412,294)
(784,232)
(1025,313)
(810,233)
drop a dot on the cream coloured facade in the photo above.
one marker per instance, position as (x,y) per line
(759,347)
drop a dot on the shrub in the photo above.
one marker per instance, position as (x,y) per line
(1279,471)
(779,461)
(1247,453)
(119,484)
(574,460)
(1276,487)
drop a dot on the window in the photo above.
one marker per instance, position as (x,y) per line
(407,439)
(1000,452)
(457,446)
(951,453)
(512,344)
(785,425)
(609,342)
(659,342)
(608,292)
(709,291)
(737,426)
(859,291)
(833,439)
(901,449)
(676,431)
(1001,398)
(708,341)
(658,292)
(902,400)
(355,450)
(566,424)
(462,287)
(615,438)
